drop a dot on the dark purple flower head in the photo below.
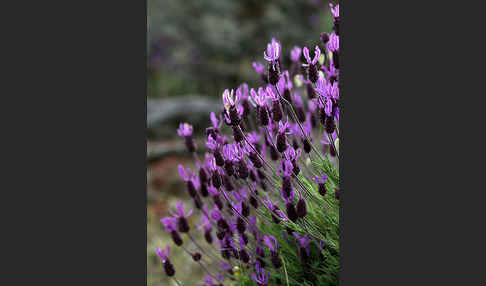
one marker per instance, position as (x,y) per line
(258,66)
(164,255)
(184,130)
(273,51)
(260,277)
(271,242)
(320,179)
(333,44)
(334,10)
(307,57)
(188,175)
(169,223)
(295,53)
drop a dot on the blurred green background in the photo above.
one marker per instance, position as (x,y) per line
(196,49)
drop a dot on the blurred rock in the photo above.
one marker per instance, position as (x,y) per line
(164,115)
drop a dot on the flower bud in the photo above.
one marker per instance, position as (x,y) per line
(169,268)
(291,212)
(190,144)
(208,237)
(216,179)
(182,224)
(218,157)
(273,74)
(281,142)
(276,261)
(324,38)
(301,208)
(228,168)
(191,189)
(176,238)
(196,256)
(237,133)
(204,190)
(307,146)
(322,189)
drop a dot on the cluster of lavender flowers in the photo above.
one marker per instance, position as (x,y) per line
(256,175)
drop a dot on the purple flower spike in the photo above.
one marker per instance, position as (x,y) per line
(333,44)
(258,66)
(164,255)
(295,54)
(271,242)
(273,51)
(261,277)
(184,130)
(307,57)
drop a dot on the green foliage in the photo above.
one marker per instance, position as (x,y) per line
(321,223)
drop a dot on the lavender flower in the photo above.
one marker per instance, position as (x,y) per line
(261,278)
(311,63)
(271,242)
(181,216)
(164,256)
(302,243)
(272,55)
(185,130)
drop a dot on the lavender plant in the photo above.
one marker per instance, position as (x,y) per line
(268,185)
